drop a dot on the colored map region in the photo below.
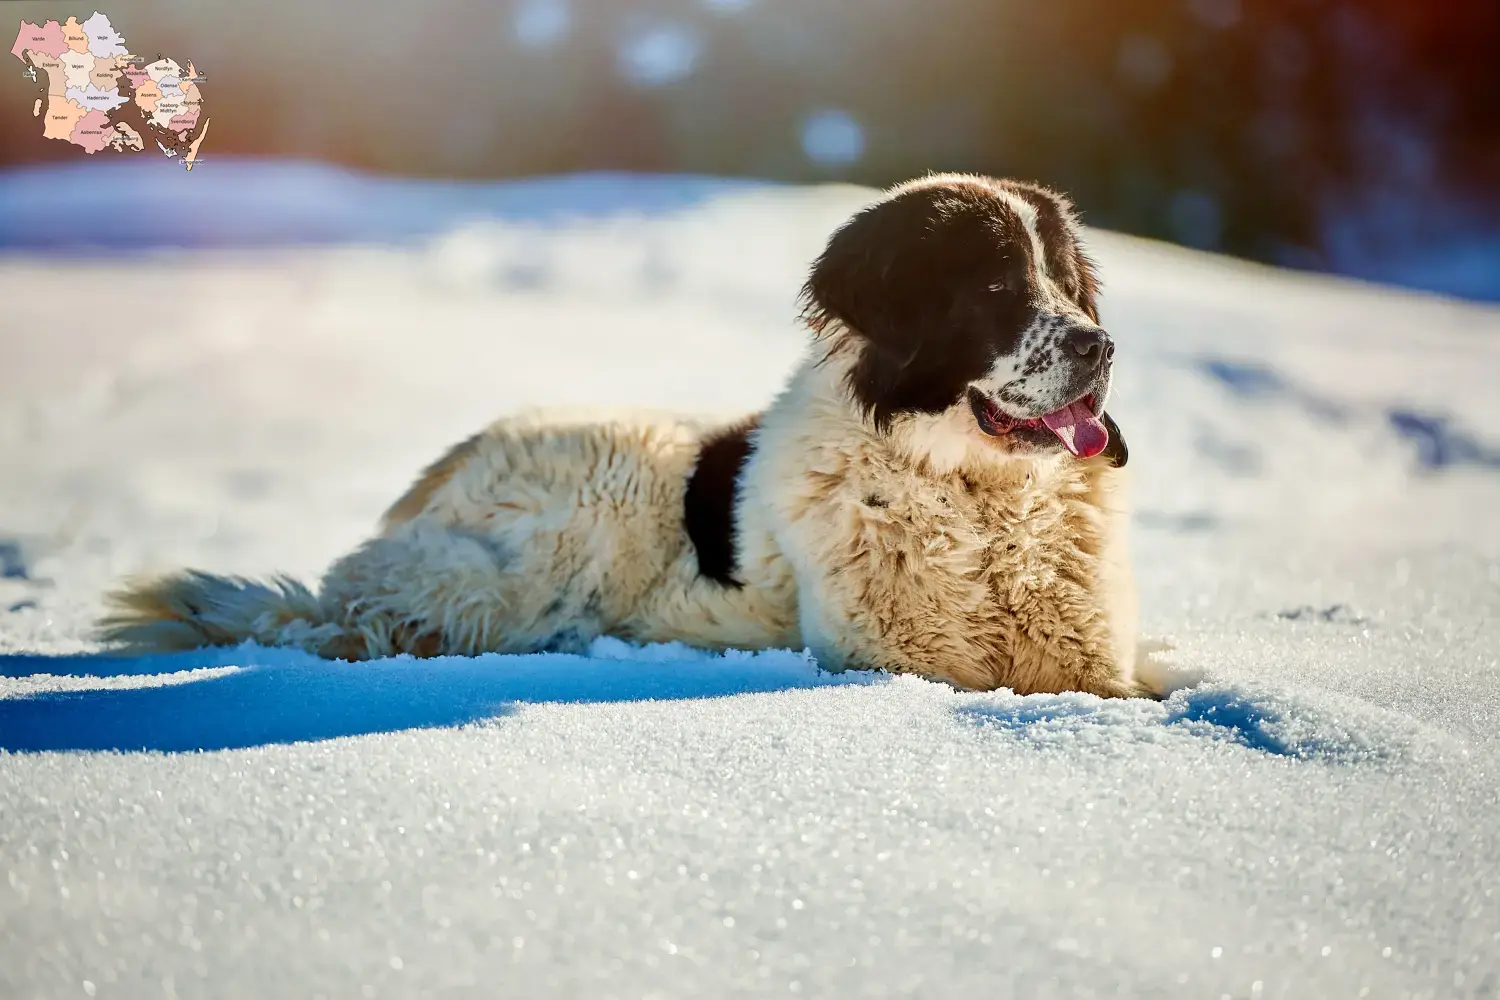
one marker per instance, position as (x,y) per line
(100,95)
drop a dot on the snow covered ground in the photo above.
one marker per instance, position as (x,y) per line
(1317,475)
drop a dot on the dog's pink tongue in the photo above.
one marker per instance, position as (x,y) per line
(1080,431)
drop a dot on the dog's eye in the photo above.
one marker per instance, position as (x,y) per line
(1010,279)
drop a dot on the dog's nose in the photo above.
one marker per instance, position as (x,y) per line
(1092,344)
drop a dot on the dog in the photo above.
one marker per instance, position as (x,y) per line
(937,490)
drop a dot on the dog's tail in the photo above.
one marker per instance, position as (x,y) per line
(190,609)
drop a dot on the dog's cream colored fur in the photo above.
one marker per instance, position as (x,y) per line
(928,549)
(925,548)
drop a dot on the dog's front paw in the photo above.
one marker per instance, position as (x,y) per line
(1158,674)
(829,659)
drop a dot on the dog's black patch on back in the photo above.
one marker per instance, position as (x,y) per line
(708,503)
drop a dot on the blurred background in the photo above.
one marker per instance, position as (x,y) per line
(1359,137)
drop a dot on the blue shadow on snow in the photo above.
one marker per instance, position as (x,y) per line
(1440,442)
(1267,723)
(1241,718)
(277,696)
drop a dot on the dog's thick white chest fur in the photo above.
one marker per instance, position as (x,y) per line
(917,551)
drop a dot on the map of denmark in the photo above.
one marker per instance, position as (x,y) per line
(99,95)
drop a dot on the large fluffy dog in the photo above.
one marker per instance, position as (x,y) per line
(935,491)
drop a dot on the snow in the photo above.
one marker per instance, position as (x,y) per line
(282,696)
(1315,479)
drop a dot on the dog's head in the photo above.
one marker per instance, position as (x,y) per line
(971,299)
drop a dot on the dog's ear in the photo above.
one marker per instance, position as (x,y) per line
(879,281)
(869,281)
(1115,453)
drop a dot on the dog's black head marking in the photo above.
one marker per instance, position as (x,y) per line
(955,282)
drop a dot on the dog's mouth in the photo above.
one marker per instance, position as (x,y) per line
(1076,425)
